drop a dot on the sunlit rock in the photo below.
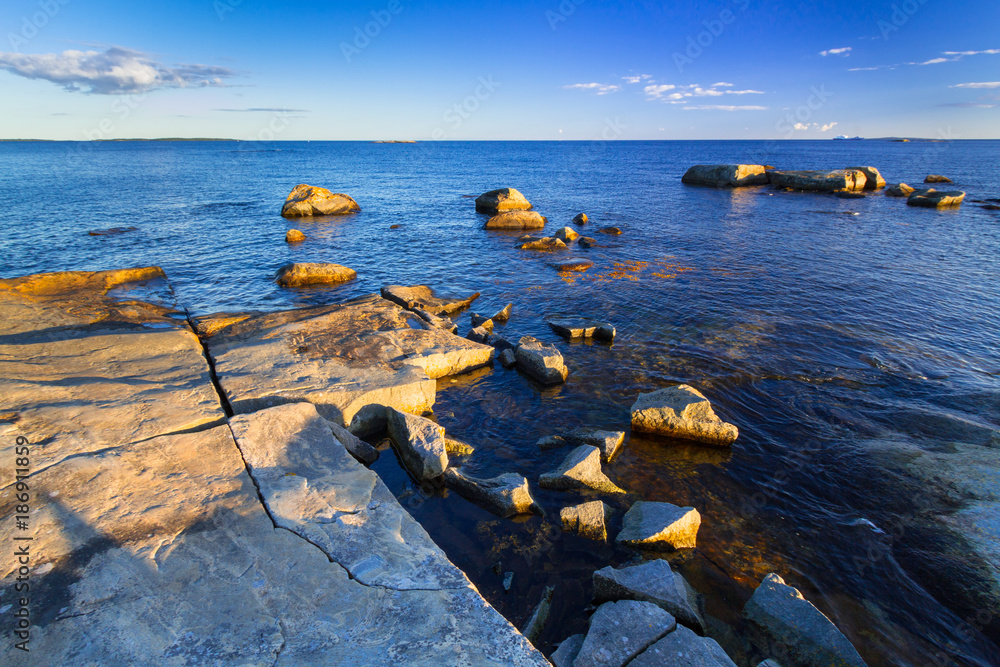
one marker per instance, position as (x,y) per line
(498,201)
(505,495)
(587,520)
(311,201)
(823,181)
(681,412)
(422,297)
(420,443)
(581,469)
(899,190)
(546,243)
(572,265)
(313,273)
(936,198)
(651,581)
(722,175)
(294,236)
(873,179)
(937,178)
(579,327)
(566,234)
(541,361)
(580,219)
(660,527)
(516,220)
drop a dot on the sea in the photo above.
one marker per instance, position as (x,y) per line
(852,341)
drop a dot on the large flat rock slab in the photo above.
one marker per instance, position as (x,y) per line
(723,175)
(342,358)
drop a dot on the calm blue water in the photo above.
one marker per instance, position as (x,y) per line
(817,331)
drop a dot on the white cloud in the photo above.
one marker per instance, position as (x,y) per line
(935,61)
(114,71)
(723,107)
(678,94)
(991,52)
(983,84)
(827,127)
(844,51)
(637,78)
(953,56)
(599,88)
(801,126)
(865,69)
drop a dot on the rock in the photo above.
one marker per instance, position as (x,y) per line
(580,219)
(681,412)
(587,520)
(588,242)
(823,181)
(395,226)
(652,581)
(311,273)
(935,178)
(348,359)
(683,648)
(508,359)
(619,631)
(508,580)
(789,627)
(568,265)
(430,320)
(935,198)
(873,179)
(309,201)
(357,447)
(609,442)
(420,443)
(500,343)
(505,495)
(504,314)
(899,190)
(547,243)
(722,175)
(111,231)
(660,526)
(551,442)
(533,628)
(775,663)
(498,201)
(850,195)
(581,469)
(478,334)
(566,234)
(612,231)
(294,236)
(422,297)
(578,327)
(150,542)
(478,321)
(456,447)
(567,651)
(541,361)
(516,220)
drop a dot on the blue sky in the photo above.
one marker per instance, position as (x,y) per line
(570,69)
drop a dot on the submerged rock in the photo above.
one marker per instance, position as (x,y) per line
(507,358)
(505,495)
(516,220)
(581,469)
(936,198)
(578,327)
(498,201)
(588,242)
(551,442)
(587,520)
(683,648)
(566,234)
(619,631)
(873,179)
(546,243)
(652,581)
(790,628)
(573,265)
(111,231)
(899,190)
(681,412)
(456,447)
(609,442)
(422,297)
(566,652)
(850,195)
(313,273)
(823,181)
(541,361)
(580,219)
(420,443)
(611,231)
(723,175)
(294,236)
(660,526)
(533,628)
(310,201)
(936,178)
(478,335)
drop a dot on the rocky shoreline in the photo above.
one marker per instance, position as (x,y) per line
(191,464)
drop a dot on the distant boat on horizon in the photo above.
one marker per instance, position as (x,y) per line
(844,137)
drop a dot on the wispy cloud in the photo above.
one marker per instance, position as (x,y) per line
(599,88)
(843,51)
(723,107)
(991,52)
(264,110)
(967,105)
(801,127)
(639,78)
(934,61)
(681,94)
(114,71)
(982,84)
(952,56)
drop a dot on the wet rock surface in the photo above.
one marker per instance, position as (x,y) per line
(587,520)
(422,297)
(652,581)
(660,527)
(681,412)
(581,469)
(420,443)
(505,495)
(541,361)
(313,273)
(723,175)
(307,201)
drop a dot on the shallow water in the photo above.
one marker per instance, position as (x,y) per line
(824,335)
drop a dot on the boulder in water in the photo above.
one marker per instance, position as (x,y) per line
(681,412)
(547,243)
(936,198)
(567,234)
(873,179)
(660,526)
(821,181)
(541,361)
(580,219)
(310,201)
(725,175)
(294,236)
(498,201)
(899,190)
(516,220)
(312,273)
(505,495)
(422,297)
(937,178)
(581,469)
